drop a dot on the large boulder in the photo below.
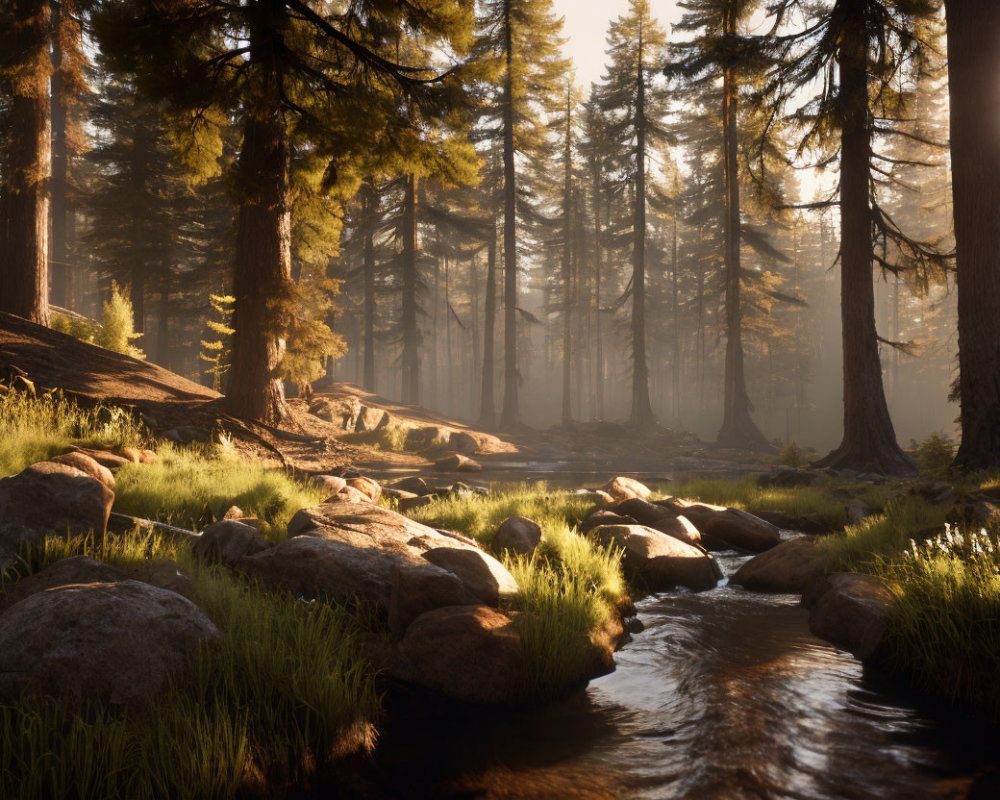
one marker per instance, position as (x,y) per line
(789,567)
(462,442)
(368,487)
(85,463)
(659,518)
(722,528)
(107,459)
(622,488)
(456,462)
(412,483)
(482,575)
(422,588)
(518,535)
(470,653)
(425,436)
(603,516)
(68,571)
(107,642)
(332,484)
(371,418)
(662,561)
(227,541)
(343,550)
(849,610)
(342,412)
(50,498)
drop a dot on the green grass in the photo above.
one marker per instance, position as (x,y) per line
(36,428)
(192,487)
(390,439)
(747,495)
(878,541)
(567,588)
(284,691)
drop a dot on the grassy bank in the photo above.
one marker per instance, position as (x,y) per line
(567,588)
(285,690)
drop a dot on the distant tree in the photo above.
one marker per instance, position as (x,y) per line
(635,108)
(524,35)
(973,56)
(25,67)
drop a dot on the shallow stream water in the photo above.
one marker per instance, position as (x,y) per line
(725,694)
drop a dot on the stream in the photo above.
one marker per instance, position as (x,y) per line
(725,694)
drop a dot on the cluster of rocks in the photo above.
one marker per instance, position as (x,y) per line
(81,629)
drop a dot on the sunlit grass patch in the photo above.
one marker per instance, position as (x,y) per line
(284,691)
(36,428)
(873,543)
(390,439)
(191,488)
(749,496)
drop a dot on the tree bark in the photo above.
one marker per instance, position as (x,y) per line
(487,401)
(973,56)
(738,429)
(263,259)
(642,411)
(869,441)
(369,301)
(411,335)
(510,415)
(567,342)
(598,258)
(24,280)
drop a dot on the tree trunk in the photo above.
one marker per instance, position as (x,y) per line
(58,251)
(24,280)
(598,257)
(487,401)
(642,411)
(738,429)
(411,336)
(973,55)
(510,415)
(369,302)
(869,439)
(163,327)
(263,259)
(675,365)
(567,342)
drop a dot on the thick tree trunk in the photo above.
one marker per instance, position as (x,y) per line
(163,327)
(675,365)
(369,302)
(598,259)
(24,284)
(263,260)
(510,415)
(869,439)
(411,335)
(973,56)
(487,401)
(738,429)
(642,410)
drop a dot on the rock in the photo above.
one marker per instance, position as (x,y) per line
(598,497)
(227,541)
(166,574)
(343,412)
(603,517)
(935,493)
(659,518)
(414,484)
(342,550)
(425,436)
(805,523)
(463,443)
(419,589)
(661,560)
(482,575)
(371,419)
(857,510)
(104,457)
(85,463)
(410,503)
(471,653)
(68,571)
(849,611)
(622,488)
(787,568)
(722,527)
(50,498)
(368,487)
(233,512)
(117,643)
(330,483)
(518,535)
(397,494)
(348,495)
(456,462)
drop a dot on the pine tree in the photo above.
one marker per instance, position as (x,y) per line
(636,107)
